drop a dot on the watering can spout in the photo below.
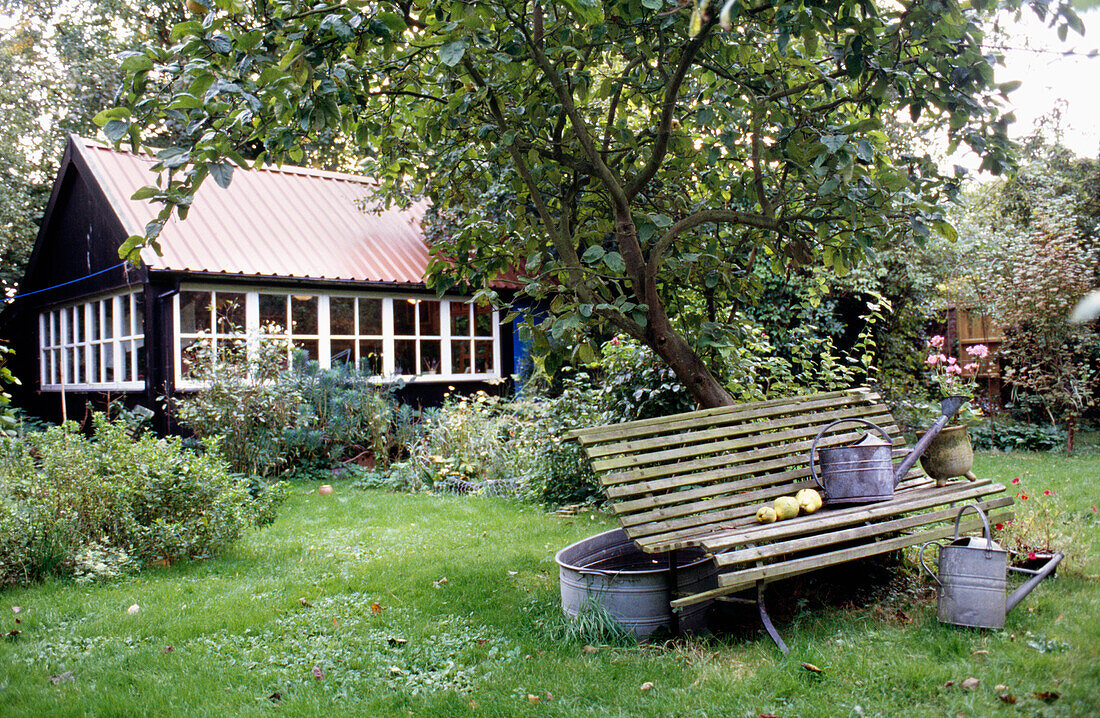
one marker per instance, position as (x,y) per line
(948,408)
(1018,595)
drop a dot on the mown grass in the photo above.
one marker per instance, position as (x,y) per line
(241,635)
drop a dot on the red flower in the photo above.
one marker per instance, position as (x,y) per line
(1094,509)
(1016,480)
(1023,496)
(1048,492)
(999,526)
(1031,555)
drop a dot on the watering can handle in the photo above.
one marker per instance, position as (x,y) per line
(920,557)
(985,523)
(813,449)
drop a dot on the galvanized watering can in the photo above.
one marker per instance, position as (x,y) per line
(862,472)
(973,578)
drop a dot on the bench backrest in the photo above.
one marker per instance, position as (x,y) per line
(673,479)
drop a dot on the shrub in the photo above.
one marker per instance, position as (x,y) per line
(1017,436)
(74,505)
(270,419)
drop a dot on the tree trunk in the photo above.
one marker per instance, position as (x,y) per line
(682,359)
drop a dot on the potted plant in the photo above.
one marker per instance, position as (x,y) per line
(950,453)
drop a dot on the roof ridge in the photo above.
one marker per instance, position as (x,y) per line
(94,144)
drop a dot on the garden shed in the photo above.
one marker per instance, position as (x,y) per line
(296,251)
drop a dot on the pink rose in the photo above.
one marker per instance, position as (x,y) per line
(936,341)
(978,350)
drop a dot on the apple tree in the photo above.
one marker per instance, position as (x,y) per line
(622,157)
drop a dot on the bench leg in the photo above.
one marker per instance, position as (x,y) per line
(674,588)
(767,621)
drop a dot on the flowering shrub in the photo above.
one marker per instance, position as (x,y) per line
(949,376)
(1042,524)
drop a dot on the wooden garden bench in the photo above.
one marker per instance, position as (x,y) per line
(696,480)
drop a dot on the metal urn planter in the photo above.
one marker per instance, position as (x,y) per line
(634,586)
(949,455)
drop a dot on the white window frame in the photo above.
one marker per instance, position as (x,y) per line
(324,334)
(65,332)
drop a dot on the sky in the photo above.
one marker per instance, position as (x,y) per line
(1049,78)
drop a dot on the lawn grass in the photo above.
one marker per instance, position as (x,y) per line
(241,635)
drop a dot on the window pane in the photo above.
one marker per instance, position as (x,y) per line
(78,323)
(429,319)
(370,316)
(341,312)
(140,348)
(93,365)
(404,356)
(78,365)
(303,315)
(483,321)
(69,366)
(483,357)
(429,357)
(54,336)
(109,318)
(404,316)
(94,327)
(139,313)
(309,346)
(231,312)
(127,361)
(370,355)
(189,356)
(194,312)
(67,321)
(343,351)
(460,319)
(273,310)
(53,355)
(124,316)
(460,357)
(106,359)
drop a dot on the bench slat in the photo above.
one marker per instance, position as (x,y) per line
(748,437)
(739,581)
(684,474)
(726,429)
(780,548)
(738,412)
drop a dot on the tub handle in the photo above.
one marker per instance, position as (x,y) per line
(920,557)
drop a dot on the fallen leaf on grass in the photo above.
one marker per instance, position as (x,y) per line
(133,609)
(275,697)
(440,583)
(811,667)
(318,673)
(766,715)
(1046,696)
(169,649)
(12,635)
(305,603)
(949,684)
(533,698)
(903,617)
(647,686)
(16,609)
(981,652)
(970,683)
(394,641)
(376,608)
(59,678)
(395,671)
(589,649)
(1008,698)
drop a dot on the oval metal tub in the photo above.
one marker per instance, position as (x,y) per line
(632,585)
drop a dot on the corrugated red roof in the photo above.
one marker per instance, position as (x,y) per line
(277,222)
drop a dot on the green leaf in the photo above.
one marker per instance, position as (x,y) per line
(115,113)
(652,4)
(833,142)
(593,254)
(145,193)
(393,22)
(451,53)
(116,129)
(614,262)
(591,11)
(222,172)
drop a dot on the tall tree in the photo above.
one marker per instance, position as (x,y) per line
(618,152)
